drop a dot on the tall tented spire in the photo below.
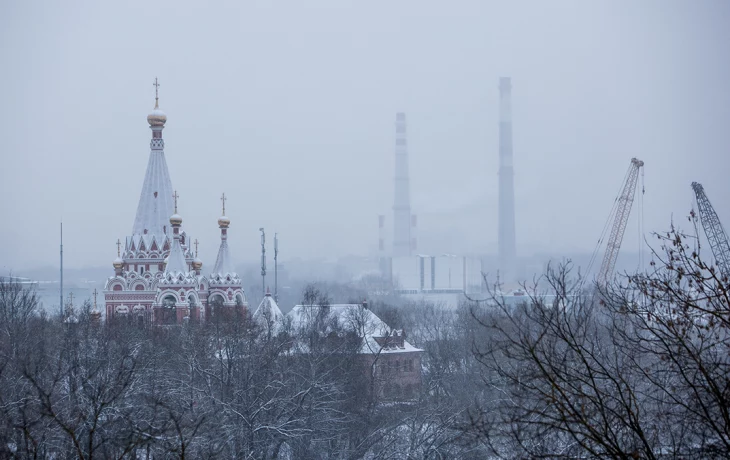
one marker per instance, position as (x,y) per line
(402,243)
(223,263)
(155,203)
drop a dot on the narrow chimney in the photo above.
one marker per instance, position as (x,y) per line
(382,254)
(507,252)
(402,196)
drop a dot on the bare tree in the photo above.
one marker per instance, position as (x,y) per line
(679,315)
(636,369)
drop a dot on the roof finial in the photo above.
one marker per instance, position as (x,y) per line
(95,293)
(175,196)
(119,245)
(157,86)
(223,200)
(196,247)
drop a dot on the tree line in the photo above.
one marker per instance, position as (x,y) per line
(637,368)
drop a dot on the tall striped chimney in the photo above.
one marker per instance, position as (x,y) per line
(382,252)
(414,233)
(507,251)
(402,203)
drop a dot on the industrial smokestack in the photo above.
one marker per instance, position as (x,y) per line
(382,255)
(507,252)
(414,234)
(402,204)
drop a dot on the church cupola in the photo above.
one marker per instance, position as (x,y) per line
(197,263)
(157,117)
(118,262)
(176,260)
(223,263)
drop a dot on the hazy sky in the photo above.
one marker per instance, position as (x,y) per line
(289,107)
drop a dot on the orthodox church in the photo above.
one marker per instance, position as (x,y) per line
(158,279)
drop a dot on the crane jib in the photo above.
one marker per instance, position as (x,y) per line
(713,229)
(623,209)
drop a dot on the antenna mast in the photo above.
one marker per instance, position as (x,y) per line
(60,305)
(276,268)
(263,261)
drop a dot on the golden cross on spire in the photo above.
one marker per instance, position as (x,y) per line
(175,196)
(95,293)
(196,247)
(119,245)
(223,200)
(157,86)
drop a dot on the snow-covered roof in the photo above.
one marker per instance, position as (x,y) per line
(268,312)
(155,202)
(223,263)
(356,318)
(176,260)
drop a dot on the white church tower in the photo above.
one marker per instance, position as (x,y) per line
(140,261)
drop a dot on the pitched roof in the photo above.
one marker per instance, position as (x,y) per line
(223,263)
(176,260)
(268,312)
(356,318)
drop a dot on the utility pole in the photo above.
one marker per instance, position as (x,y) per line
(60,304)
(263,261)
(276,268)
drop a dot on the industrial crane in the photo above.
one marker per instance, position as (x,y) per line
(713,229)
(620,211)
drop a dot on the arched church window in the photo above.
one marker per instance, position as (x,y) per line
(168,313)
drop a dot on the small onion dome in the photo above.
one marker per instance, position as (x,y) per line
(118,263)
(224,221)
(157,117)
(176,219)
(197,264)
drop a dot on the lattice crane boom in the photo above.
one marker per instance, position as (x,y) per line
(713,229)
(623,209)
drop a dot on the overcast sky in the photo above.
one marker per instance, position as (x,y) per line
(289,107)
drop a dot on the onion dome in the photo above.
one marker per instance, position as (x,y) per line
(175,219)
(118,262)
(224,221)
(157,117)
(197,264)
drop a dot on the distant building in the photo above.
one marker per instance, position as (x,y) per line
(157,277)
(391,365)
(444,274)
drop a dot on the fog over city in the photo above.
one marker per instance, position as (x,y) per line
(499,229)
(289,108)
